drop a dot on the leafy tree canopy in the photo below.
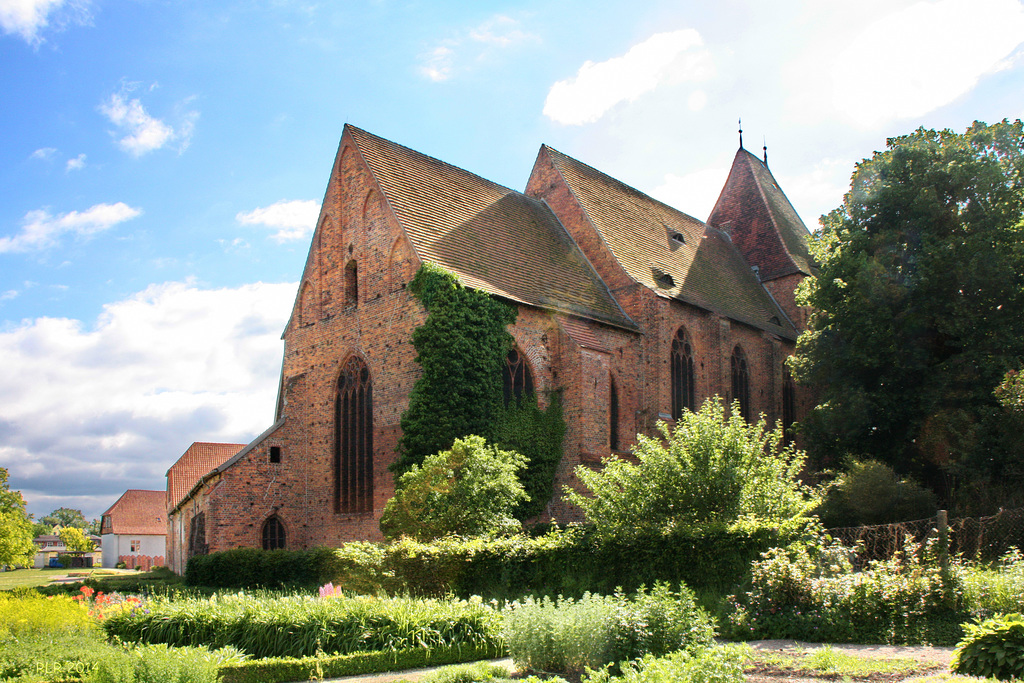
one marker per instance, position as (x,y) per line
(16,546)
(709,470)
(75,540)
(65,517)
(919,305)
(468,490)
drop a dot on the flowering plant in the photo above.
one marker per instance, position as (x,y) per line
(102,605)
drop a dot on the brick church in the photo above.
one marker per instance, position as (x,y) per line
(632,309)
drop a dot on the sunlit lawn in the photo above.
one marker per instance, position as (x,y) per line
(43,577)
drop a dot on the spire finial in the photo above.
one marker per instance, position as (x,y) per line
(741,133)
(766,152)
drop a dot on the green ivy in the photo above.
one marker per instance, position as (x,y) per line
(461,348)
(538,434)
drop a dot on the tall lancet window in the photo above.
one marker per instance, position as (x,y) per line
(682,374)
(741,382)
(517,380)
(353,440)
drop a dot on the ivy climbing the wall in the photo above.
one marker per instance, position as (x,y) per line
(537,434)
(461,347)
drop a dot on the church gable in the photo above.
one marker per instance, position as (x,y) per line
(668,251)
(762,223)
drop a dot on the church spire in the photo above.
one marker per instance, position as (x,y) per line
(765,142)
(741,133)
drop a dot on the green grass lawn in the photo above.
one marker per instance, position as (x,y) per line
(32,578)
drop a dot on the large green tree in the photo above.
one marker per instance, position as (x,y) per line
(16,546)
(64,517)
(919,308)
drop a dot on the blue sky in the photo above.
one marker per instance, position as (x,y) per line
(162,164)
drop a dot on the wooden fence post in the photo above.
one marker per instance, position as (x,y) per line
(943,540)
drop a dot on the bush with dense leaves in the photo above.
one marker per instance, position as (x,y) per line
(993,648)
(160,664)
(870,492)
(810,591)
(471,489)
(719,664)
(567,635)
(252,568)
(709,470)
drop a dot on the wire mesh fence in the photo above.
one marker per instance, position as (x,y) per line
(978,539)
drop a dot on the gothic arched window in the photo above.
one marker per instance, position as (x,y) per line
(682,374)
(741,382)
(351,284)
(788,402)
(353,439)
(273,533)
(517,380)
(613,415)
(197,535)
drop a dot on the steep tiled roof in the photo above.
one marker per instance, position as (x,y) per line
(137,512)
(494,238)
(669,251)
(762,222)
(199,459)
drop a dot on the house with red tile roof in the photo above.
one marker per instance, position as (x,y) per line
(194,464)
(633,311)
(134,530)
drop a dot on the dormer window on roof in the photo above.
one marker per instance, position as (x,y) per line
(662,279)
(677,237)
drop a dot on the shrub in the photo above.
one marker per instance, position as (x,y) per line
(722,664)
(252,568)
(45,638)
(709,470)
(266,626)
(567,635)
(809,591)
(470,489)
(993,648)
(159,664)
(870,492)
(998,589)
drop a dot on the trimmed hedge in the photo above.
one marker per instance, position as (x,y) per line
(252,568)
(335,666)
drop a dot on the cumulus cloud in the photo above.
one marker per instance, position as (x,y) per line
(43,153)
(92,408)
(27,17)
(42,230)
(922,57)
(440,63)
(142,133)
(76,164)
(294,219)
(672,57)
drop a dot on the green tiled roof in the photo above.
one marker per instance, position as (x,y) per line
(703,268)
(494,238)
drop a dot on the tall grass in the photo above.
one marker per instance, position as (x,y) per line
(999,588)
(567,635)
(299,626)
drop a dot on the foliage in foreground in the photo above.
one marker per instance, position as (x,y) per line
(297,626)
(999,588)
(566,635)
(993,648)
(470,489)
(45,638)
(16,546)
(718,664)
(919,310)
(159,664)
(711,469)
(810,592)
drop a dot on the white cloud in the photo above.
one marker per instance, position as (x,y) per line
(673,57)
(91,409)
(143,133)
(694,193)
(43,153)
(41,230)
(497,33)
(27,17)
(294,219)
(819,190)
(76,164)
(922,57)
(8,295)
